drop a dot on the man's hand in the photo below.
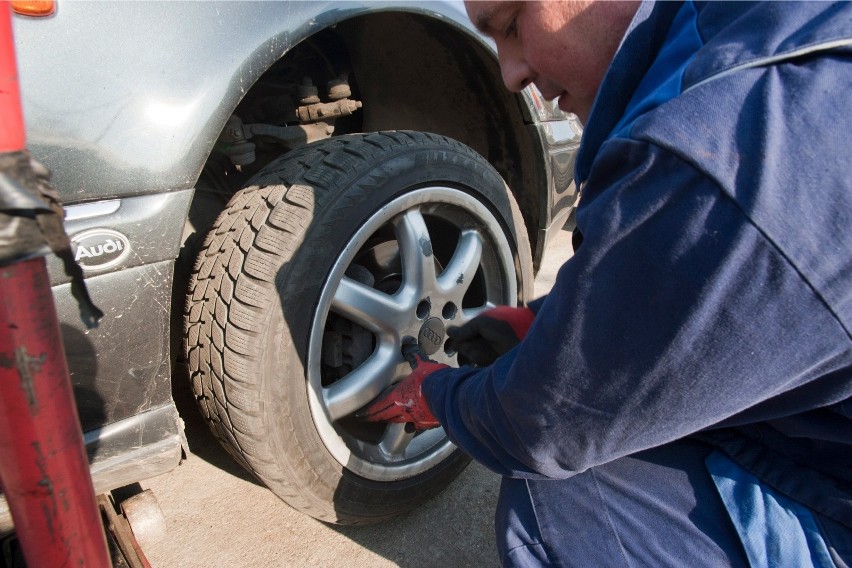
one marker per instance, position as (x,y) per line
(404,402)
(491,333)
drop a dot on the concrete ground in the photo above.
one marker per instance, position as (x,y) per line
(217,515)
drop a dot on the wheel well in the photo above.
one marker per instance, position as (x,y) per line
(410,72)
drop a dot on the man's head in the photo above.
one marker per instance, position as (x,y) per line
(564,47)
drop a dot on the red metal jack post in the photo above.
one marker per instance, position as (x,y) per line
(43,467)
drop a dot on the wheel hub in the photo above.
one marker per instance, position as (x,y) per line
(431,335)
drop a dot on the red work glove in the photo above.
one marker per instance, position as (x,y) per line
(490,334)
(404,402)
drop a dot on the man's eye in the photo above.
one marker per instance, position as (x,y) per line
(512,29)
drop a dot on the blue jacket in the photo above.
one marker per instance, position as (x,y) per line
(712,293)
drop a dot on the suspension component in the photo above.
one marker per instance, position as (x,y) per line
(316,120)
(327,111)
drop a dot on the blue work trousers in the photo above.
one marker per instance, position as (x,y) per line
(656,508)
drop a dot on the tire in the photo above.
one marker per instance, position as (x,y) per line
(304,290)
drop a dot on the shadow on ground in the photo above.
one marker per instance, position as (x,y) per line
(454,529)
(201,441)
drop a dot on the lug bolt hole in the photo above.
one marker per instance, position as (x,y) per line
(449,311)
(423,309)
(449,348)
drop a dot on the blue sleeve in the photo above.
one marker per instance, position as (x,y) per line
(675,315)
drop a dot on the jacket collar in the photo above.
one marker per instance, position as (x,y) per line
(637,52)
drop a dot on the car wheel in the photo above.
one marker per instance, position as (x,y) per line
(304,291)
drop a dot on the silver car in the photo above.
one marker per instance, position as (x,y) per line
(267,199)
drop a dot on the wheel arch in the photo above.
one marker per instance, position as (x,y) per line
(418,72)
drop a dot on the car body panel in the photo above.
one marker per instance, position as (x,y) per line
(151,224)
(563,142)
(122,368)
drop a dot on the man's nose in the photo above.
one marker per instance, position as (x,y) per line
(517,73)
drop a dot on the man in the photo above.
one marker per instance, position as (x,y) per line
(682,396)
